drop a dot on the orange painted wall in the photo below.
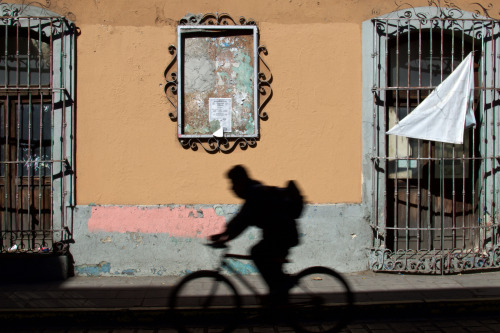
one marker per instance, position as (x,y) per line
(127,152)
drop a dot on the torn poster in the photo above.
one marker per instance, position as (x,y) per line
(221,109)
(446,112)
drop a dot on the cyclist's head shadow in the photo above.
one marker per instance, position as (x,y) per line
(241,182)
(275,202)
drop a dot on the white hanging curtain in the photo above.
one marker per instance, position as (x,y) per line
(446,112)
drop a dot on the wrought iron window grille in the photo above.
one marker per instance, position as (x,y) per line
(37,129)
(262,77)
(434,213)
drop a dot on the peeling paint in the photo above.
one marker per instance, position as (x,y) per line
(106,240)
(177,221)
(219,211)
(176,241)
(129,272)
(158,271)
(93,270)
(164,254)
(135,237)
(242,268)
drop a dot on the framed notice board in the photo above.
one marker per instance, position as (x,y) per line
(217,81)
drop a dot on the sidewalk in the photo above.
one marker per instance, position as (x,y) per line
(145,298)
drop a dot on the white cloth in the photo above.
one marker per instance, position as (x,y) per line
(444,114)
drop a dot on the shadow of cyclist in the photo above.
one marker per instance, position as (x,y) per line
(273,210)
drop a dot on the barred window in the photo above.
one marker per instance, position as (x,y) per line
(434,204)
(26,56)
(36,132)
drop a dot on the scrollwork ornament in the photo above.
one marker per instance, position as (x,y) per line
(435,261)
(482,11)
(214,19)
(217,19)
(495,258)
(413,266)
(445,9)
(18,9)
(60,24)
(170,88)
(389,265)
(263,85)
(380,27)
(243,21)
(215,145)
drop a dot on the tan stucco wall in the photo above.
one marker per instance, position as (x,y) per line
(127,151)
(126,146)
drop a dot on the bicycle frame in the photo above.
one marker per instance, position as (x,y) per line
(308,308)
(226,264)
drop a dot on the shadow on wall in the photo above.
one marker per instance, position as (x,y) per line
(33,267)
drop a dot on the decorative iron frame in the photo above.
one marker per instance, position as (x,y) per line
(223,144)
(433,261)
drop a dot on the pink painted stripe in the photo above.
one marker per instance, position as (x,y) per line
(177,221)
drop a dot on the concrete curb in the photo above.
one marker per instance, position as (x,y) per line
(154,316)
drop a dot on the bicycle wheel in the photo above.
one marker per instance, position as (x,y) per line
(320,301)
(202,300)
